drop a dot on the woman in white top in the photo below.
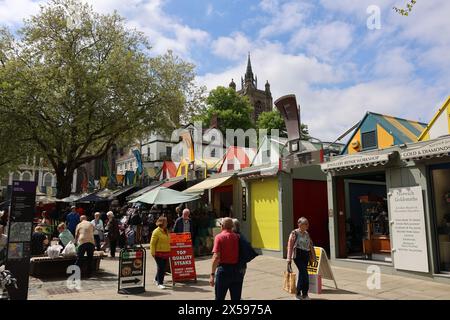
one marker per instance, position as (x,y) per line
(301,250)
(98,230)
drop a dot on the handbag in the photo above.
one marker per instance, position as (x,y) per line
(289,280)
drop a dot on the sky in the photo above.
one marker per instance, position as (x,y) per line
(326,52)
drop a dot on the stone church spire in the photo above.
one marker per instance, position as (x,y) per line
(249,73)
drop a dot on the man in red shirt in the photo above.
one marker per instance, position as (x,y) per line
(225,260)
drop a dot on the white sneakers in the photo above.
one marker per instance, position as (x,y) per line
(300,297)
(161,286)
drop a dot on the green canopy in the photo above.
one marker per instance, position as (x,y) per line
(162,195)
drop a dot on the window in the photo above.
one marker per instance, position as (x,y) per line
(26,176)
(369,140)
(16,176)
(213,153)
(168,151)
(48,179)
(230,167)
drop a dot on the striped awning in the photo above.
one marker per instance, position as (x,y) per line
(358,160)
(439,147)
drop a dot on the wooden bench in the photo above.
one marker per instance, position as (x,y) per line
(43,266)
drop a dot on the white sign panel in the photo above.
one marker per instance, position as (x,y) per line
(355,160)
(438,147)
(408,229)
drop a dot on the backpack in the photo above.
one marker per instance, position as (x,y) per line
(246,251)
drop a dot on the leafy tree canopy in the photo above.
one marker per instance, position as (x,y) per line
(232,110)
(75,84)
(273,120)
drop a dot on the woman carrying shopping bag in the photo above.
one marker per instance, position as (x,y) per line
(301,250)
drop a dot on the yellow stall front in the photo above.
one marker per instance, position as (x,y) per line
(265,230)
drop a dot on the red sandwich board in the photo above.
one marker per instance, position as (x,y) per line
(182,264)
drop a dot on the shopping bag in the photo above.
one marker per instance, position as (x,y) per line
(69,250)
(289,280)
(53,251)
(315,283)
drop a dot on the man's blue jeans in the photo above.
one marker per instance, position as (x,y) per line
(228,277)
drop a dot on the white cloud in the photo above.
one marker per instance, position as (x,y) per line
(165,32)
(12,12)
(233,47)
(286,17)
(394,63)
(324,40)
(428,22)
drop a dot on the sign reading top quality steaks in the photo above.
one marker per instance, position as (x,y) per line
(182,262)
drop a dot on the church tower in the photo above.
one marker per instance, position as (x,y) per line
(261,100)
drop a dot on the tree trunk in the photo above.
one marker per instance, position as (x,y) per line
(63,183)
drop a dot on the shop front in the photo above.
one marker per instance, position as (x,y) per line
(275,199)
(391,207)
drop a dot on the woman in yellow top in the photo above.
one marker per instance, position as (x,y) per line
(160,249)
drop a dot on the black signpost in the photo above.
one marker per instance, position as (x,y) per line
(132,270)
(23,202)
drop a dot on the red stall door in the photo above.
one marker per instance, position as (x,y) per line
(310,201)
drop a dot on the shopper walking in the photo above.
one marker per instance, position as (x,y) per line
(112,229)
(160,249)
(84,236)
(98,230)
(184,223)
(225,273)
(301,250)
(72,220)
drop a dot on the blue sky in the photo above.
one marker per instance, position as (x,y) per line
(320,50)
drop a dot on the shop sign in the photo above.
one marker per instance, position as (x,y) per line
(434,148)
(244,204)
(182,262)
(23,201)
(408,229)
(355,160)
(132,270)
(321,266)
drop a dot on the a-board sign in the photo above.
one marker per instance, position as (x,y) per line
(321,266)
(182,264)
(23,201)
(132,270)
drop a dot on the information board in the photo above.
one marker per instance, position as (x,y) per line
(23,202)
(409,243)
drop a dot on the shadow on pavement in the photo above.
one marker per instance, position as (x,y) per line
(148,293)
(337,291)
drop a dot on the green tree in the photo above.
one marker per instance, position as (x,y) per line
(407,11)
(232,110)
(273,120)
(75,84)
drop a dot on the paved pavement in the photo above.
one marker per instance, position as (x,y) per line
(263,281)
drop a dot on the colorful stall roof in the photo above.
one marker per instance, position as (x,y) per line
(168,170)
(237,158)
(440,124)
(378,131)
(205,163)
